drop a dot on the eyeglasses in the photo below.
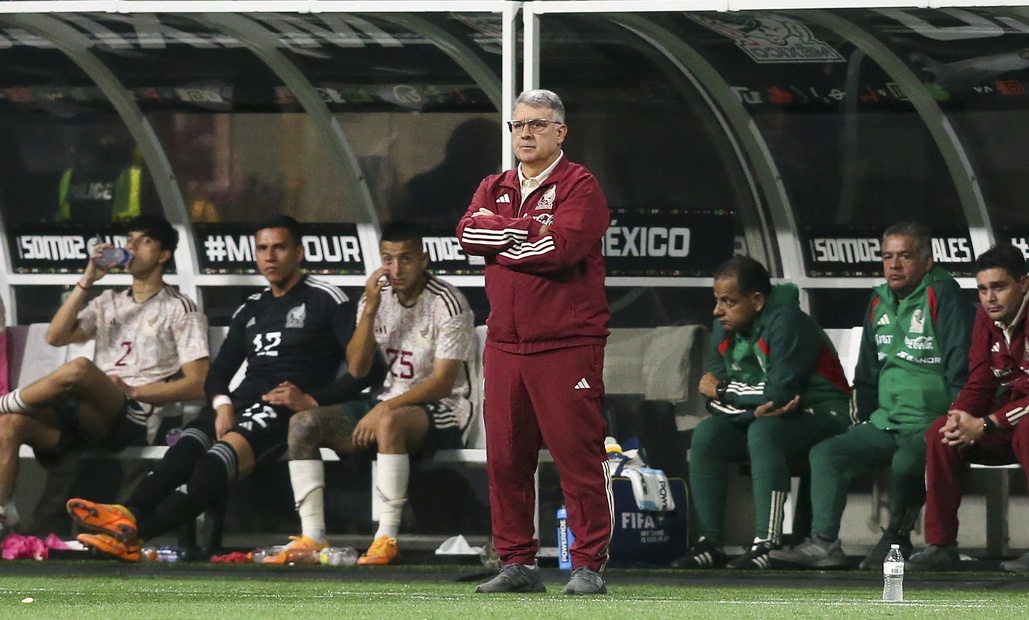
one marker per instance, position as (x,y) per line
(536,125)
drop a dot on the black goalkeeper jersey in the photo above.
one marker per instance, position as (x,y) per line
(300,337)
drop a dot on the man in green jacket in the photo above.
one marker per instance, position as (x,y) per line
(775,387)
(912,363)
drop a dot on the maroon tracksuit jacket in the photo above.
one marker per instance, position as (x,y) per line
(544,355)
(998,383)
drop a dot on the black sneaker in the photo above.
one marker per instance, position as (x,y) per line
(755,559)
(874,559)
(702,555)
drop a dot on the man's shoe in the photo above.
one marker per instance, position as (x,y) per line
(701,555)
(875,558)
(755,559)
(935,558)
(1018,565)
(298,545)
(514,578)
(112,519)
(384,550)
(812,553)
(105,543)
(585,580)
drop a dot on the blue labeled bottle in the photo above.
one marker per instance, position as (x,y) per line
(565,538)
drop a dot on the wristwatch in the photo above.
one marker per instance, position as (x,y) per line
(723,385)
(989,426)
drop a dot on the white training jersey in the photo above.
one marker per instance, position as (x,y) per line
(148,342)
(440,325)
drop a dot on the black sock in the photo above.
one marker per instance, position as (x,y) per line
(171,472)
(208,485)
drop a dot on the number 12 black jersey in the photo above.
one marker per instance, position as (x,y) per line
(300,337)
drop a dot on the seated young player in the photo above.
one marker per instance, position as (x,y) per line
(151,350)
(425,329)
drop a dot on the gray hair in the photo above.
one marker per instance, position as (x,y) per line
(919,232)
(542,98)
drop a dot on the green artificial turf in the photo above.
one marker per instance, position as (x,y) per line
(249,596)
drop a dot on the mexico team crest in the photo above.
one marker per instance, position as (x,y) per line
(296,316)
(546,203)
(917,322)
(770,38)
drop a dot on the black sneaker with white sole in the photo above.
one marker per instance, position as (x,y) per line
(756,558)
(703,554)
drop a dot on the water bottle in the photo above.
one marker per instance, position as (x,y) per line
(113,257)
(338,556)
(348,556)
(166,553)
(893,575)
(565,538)
(297,557)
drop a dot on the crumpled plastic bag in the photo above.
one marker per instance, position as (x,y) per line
(18,547)
(53,541)
(457,545)
(235,557)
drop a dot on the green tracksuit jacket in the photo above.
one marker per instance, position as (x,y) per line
(914,354)
(786,353)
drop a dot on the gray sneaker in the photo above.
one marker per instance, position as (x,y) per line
(515,578)
(585,580)
(1018,565)
(813,553)
(935,558)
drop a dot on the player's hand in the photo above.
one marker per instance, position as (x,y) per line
(125,388)
(290,396)
(377,281)
(482,211)
(94,272)
(364,435)
(224,419)
(709,385)
(769,410)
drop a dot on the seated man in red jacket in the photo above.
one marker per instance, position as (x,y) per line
(982,426)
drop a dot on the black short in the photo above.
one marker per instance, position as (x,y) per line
(442,434)
(125,432)
(265,427)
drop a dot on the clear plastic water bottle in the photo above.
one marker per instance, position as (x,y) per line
(297,557)
(113,257)
(565,538)
(338,556)
(893,575)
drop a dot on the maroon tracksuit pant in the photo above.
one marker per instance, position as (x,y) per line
(945,468)
(551,398)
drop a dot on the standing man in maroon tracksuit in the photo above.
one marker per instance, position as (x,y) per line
(540,228)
